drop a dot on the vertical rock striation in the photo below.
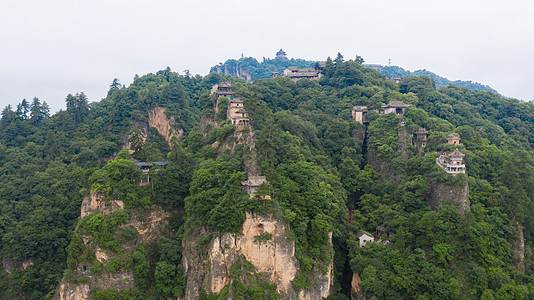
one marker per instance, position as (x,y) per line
(273,257)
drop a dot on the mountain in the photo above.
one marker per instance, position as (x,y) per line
(250,69)
(165,190)
(395,71)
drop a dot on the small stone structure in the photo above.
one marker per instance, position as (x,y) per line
(454,139)
(359,113)
(252,184)
(396,107)
(364,238)
(237,114)
(421,138)
(223,89)
(452,163)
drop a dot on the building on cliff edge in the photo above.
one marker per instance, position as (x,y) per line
(252,184)
(396,107)
(147,166)
(237,114)
(421,138)
(223,89)
(453,139)
(452,163)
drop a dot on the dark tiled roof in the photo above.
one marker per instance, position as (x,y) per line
(149,164)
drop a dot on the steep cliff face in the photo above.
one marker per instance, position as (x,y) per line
(148,226)
(272,257)
(159,120)
(519,248)
(9,264)
(456,195)
(355,291)
(66,291)
(405,141)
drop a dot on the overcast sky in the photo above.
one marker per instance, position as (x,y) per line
(52,48)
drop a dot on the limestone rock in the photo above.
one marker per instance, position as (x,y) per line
(274,258)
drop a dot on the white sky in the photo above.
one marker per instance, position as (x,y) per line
(52,48)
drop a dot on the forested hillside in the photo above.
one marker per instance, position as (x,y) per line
(440,81)
(327,174)
(250,69)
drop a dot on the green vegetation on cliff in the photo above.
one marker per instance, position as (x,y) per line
(328,173)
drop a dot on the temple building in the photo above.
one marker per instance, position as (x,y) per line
(396,107)
(421,136)
(359,113)
(281,54)
(452,163)
(454,139)
(296,73)
(237,114)
(223,89)
(252,184)
(147,166)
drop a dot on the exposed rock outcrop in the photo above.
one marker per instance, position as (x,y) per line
(273,257)
(9,264)
(149,226)
(355,291)
(405,141)
(98,203)
(159,120)
(519,248)
(456,195)
(67,291)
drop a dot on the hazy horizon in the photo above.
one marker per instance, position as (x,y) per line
(59,47)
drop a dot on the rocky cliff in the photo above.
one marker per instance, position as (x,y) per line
(265,243)
(457,195)
(148,226)
(159,120)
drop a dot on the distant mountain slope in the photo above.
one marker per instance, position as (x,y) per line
(393,71)
(250,69)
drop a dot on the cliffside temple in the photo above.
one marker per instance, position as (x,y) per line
(452,163)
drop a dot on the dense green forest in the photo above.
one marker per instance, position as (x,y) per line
(328,173)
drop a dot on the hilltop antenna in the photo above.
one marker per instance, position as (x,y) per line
(390,62)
